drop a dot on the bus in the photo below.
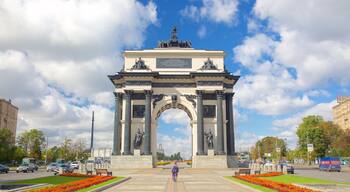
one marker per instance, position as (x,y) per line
(330,164)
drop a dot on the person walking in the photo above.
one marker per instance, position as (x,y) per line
(175,171)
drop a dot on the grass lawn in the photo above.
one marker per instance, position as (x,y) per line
(51,180)
(300,180)
(258,187)
(101,184)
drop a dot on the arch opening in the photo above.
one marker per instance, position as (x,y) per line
(174,135)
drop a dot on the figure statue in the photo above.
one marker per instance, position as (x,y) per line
(210,138)
(139,64)
(208,65)
(138,139)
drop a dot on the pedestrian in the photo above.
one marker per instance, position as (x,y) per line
(175,171)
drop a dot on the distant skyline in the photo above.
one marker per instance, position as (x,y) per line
(293,58)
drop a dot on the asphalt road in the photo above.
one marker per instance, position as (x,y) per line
(343,176)
(13,176)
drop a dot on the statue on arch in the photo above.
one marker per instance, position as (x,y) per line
(210,139)
(138,139)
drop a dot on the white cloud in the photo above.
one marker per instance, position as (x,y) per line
(73,28)
(315,41)
(245,140)
(301,59)
(218,11)
(177,116)
(172,144)
(55,57)
(289,125)
(202,32)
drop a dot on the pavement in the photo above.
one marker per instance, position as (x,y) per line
(343,176)
(194,180)
(13,176)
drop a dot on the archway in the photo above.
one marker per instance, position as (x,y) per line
(184,107)
(174,137)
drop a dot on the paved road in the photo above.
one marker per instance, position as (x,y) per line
(194,180)
(13,176)
(343,176)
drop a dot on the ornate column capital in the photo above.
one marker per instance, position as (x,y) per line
(148,92)
(117,95)
(199,92)
(128,92)
(230,94)
(219,94)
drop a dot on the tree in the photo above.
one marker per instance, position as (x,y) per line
(32,141)
(341,145)
(268,145)
(65,149)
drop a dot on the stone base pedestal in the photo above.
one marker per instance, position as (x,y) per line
(210,152)
(131,161)
(232,161)
(206,161)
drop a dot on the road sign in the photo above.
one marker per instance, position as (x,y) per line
(310,147)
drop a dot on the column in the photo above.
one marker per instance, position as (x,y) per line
(219,124)
(127,128)
(200,129)
(228,136)
(147,143)
(230,125)
(116,132)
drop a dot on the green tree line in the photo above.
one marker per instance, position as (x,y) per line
(327,138)
(32,143)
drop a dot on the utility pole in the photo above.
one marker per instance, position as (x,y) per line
(307,143)
(47,148)
(92,131)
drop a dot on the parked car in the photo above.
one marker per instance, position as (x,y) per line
(36,167)
(25,168)
(330,164)
(51,167)
(64,167)
(4,169)
(74,165)
(290,168)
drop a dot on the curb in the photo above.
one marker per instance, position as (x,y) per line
(240,184)
(111,185)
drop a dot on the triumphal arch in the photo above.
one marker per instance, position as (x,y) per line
(173,75)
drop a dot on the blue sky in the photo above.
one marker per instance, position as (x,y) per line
(293,58)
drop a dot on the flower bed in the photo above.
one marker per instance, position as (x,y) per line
(76,185)
(281,187)
(74,175)
(272,174)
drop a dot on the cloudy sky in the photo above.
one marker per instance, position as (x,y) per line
(293,58)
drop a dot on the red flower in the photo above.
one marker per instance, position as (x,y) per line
(281,187)
(76,185)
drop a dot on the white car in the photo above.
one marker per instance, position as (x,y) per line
(25,168)
(74,165)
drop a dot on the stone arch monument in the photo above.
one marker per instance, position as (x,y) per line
(173,75)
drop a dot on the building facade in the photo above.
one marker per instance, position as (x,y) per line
(173,75)
(8,117)
(341,112)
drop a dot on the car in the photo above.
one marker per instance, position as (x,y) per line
(64,167)
(35,166)
(4,169)
(74,165)
(290,168)
(51,167)
(25,168)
